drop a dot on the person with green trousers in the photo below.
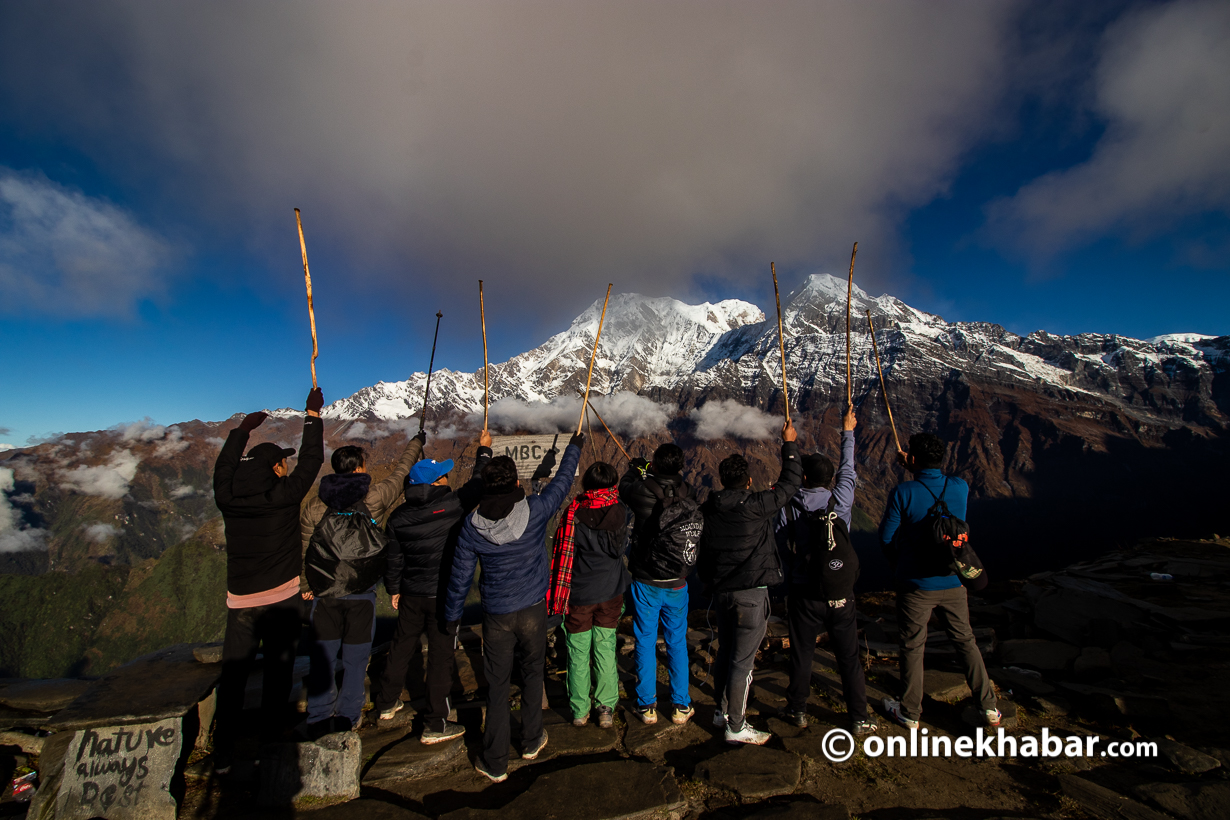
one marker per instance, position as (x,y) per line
(588,581)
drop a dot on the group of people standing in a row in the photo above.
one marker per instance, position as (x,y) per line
(634,539)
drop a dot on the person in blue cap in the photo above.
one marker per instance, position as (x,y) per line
(423,534)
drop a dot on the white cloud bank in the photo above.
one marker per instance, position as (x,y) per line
(726,418)
(100,533)
(15,536)
(109,480)
(627,414)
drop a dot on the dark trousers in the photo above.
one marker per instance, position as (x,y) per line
(524,632)
(743,616)
(951,607)
(273,629)
(415,616)
(805,619)
(343,626)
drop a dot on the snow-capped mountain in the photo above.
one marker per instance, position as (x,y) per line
(687,354)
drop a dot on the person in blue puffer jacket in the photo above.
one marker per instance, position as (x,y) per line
(507,534)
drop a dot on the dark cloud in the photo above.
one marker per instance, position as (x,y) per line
(545,142)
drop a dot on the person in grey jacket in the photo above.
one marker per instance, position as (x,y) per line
(507,534)
(809,608)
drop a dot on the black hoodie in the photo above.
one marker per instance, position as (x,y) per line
(261,511)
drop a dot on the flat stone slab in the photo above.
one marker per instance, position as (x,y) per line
(565,739)
(42,695)
(1190,801)
(940,684)
(1038,653)
(328,767)
(12,719)
(28,744)
(800,810)
(1102,802)
(409,758)
(128,695)
(208,653)
(622,789)
(363,809)
(1006,678)
(1185,758)
(753,772)
(656,739)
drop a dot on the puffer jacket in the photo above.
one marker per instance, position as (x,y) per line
(599,546)
(380,498)
(260,510)
(512,549)
(644,564)
(738,549)
(425,529)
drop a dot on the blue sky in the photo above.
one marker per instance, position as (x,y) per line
(1048,166)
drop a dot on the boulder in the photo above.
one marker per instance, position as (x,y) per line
(940,684)
(1102,802)
(1189,801)
(753,772)
(328,767)
(408,758)
(1092,664)
(593,791)
(799,810)
(1018,681)
(1092,613)
(44,696)
(364,809)
(28,744)
(208,653)
(1185,758)
(1040,654)
(1052,704)
(1113,702)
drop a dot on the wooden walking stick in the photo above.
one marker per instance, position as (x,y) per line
(430,366)
(883,387)
(592,357)
(482,315)
(307,277)
(849,293)
(608,430)
(781,340)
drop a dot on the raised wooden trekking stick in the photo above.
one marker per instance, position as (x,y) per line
(781,340)
(883,387)
(849,293)
(608,430)
(592,357)
(482,315)
(430,366)
(307,277)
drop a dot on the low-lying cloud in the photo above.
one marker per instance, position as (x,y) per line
(626,413)
(109,480)
(726,418)
(15,534)
(100,533)
(67,254)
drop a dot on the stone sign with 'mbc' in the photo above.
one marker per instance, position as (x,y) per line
(121,772)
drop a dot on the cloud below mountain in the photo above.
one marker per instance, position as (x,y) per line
(15,535)
(108,480)
(726,418)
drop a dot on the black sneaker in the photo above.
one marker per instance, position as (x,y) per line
(448,731)
(795,717)
(531,752)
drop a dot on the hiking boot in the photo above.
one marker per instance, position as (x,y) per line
(647,714)
(719,720)
(481,768)
(387,714)
(993,716)
(682,714)
(581,721)
(533,749)
(893,709)
(606,717)
(865,727)
(795,717)
(747,735)
(449,731)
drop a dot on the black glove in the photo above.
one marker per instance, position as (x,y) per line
(253,420)
(422,437)
(577,440)
(315,400)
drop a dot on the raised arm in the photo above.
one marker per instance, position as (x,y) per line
(470,493)
(381,497)
(232,452)
(311,454)
(843,485)
(768,502)
(553,494)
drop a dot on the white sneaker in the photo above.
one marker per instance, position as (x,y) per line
(387,714)
(719,720)
(993,716)
(893,709)
(747,735)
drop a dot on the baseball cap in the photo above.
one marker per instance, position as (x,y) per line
(428,470)
(267,454)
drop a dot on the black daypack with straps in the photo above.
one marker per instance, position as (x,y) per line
(671,552)
(950,536)
(346,555)
(827,558)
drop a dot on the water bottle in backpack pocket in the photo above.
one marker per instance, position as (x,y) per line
(346,555)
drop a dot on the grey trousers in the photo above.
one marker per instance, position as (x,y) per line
(951,607)
(743,616)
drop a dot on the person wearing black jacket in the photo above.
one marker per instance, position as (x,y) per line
(738,562)
(259,499)
(424,534)
(659,582)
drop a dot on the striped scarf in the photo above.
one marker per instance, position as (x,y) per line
(564,551)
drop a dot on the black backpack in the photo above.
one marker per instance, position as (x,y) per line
(951,536)
(830,564)
(346,555)
(680,524)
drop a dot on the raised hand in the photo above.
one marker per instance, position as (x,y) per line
(253,420)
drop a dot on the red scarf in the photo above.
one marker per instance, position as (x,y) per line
(561,561)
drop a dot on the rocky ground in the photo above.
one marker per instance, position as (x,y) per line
(1100,649)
